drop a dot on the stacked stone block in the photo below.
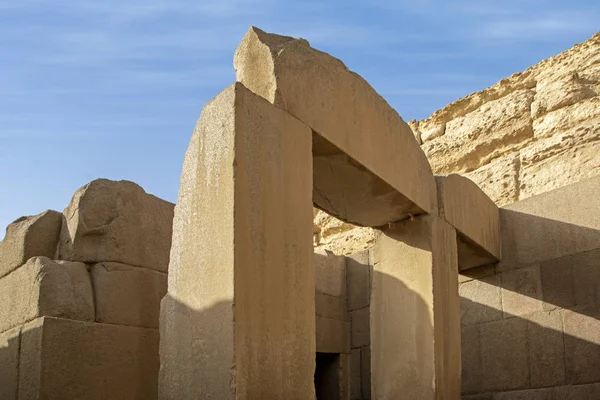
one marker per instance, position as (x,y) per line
(80,294)
(531,323)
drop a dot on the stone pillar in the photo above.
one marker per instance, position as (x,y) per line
(415,317)
(238,321)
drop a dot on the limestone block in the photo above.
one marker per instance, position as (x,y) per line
(415,328)
(66,359)
(475,216)
(535,394)
(475,273)
(127,295)
(556,224)
(557,283)
(499,179)
(43,287)
(504,353)
(572,90)
(580,120)
(341,237)
(522,291)
(10,342)
(240,318)
(360,327)
(349,118)
(355,374)
(470,341)
(29,237)
(473,140)
(333,336)
(485,396)
(582,339)
(480,300)
(586,277)
(117,221)
(572,166)
(358,279)
(331,307)
(546,349)
(365,373)
(330,273)
(577,392)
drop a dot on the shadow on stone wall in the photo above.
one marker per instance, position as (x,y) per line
(532,321)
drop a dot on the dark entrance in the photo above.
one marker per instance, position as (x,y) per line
(327,376)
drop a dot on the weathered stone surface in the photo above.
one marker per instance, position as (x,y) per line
(577,392)
(557,283)
(499,179)
(480,300)
(333,335)
(361,335)
(348,116)
(43,287)
(127,295)
(358,280)
(365,373)
(504,355)
(546,349)
(521,291)
(340,237)
(66,359)
(10,344)
(582,340)
(240,308)
(29,237)
(553,225)
(330,273)
(117,221)
(476,218)
(415,330)
(535,394)
(471,359)
(475,139)
(331,307)
(355,375)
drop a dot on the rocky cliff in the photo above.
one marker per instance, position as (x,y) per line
(530,133)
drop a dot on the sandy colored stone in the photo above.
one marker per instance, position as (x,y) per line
(552,225)
(10,344)
(238,321)
(43,287)
(521,291)
(358,280)
(341,237)
(332,335)
(546,349)
(331,307)
(361,334)
(75,360)
(480,300)
(475,217)
(330,273)
(415,318)
(347,115)
(499,179)
(571,87)
(117,221)
(475,139)
(29,237)
(127,295)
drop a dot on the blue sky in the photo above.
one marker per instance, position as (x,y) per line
(113,89)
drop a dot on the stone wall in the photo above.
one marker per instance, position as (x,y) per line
(531,323)
(530,133)
(80,295)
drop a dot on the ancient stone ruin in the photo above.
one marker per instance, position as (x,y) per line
(406,282)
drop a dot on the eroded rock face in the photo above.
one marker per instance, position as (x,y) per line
(530,133)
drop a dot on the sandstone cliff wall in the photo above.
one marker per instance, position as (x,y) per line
(530,133)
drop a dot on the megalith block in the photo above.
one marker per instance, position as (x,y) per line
(475,217)
(414,312)
(117,221)
(368,167)
(43,287)
(10,343)
(127,295)
(29,237)
(66,359)
(238,321)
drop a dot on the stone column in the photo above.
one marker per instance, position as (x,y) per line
(238,321)
(415,317)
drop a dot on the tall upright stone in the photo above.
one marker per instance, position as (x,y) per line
(415,317)
(238,321)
